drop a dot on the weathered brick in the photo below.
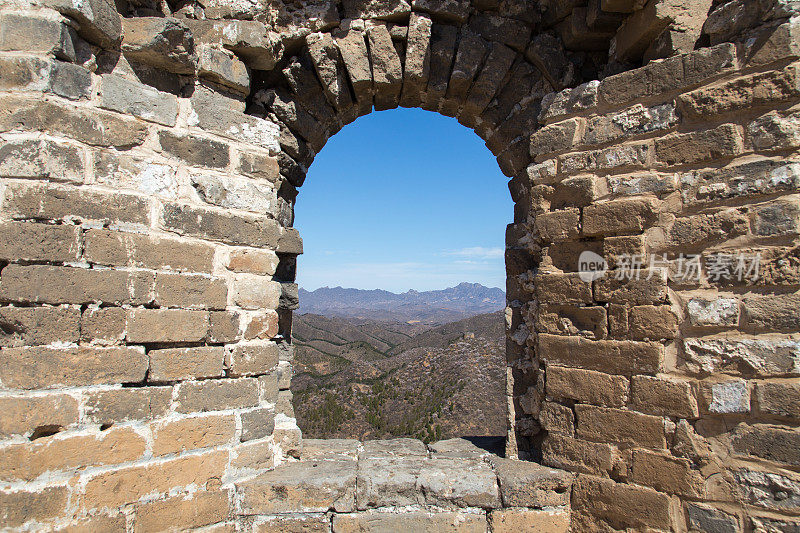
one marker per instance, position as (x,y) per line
(742,93)
(166,325)
(587,386)
(262,167)
(776,218)
(592,322)
(372,520)
(40,367)
(649,288)
(33,32)
(556,418)
(175,364)
(195,150)
(560,451)
(203,509)
(664,397)
(41,158)
(256,455)
(387,68)
(636,120)
(149,251)
(653,322)
(163,42)
(190,291)
(96,523)
(244,230)
(558,225)
(252,261)
(257,423)
(619,217)
(253,359)
(21,415)
(290,242)
(255,292)
(557,137)
(51,202)
(294,524)
(779,398)
(117,170)
(666,473)
(128,485)
(17,508)
(743,355)
(125,404)
(682,148)
(223,326)
(775,131)
(121,94)
(604,424)
(217,395)
(773,443)
(514,520)
(561,288)
(617,357)
(725,396)
(27,73)
(718,312)
(20,241)
(27,461)
(31,326)
(192,433)
(621,505)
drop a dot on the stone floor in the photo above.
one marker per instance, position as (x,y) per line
(404,485)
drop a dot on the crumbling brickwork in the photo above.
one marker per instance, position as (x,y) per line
(150,157)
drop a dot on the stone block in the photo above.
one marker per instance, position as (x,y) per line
(331,70)
(705,518)
(250,40)
(774,131)
(377,9)
(25,415)
(223,326)
(177,364)
(98,20)
(257,424)
(40,367)
(556,418)
(713,312)
(192,433)
(605,424)
(589,322)
(649,288)
(149,251)
(560,451)
(32,326)
(353,49)
(264,326)
(154,478)
(527,484)
(401,447)
(725,396)
(252,359)
(779,398)
(653,322)
(621,505)
(743,355)
(773,443)
(619,217)
(21,241)
(126,96)
(388,482)
(64,285)
(242,230)
(203,509)
(255,292)
(43,505)
(722,142)
(443,48)
(551,288)
(636,120)
(557,137)
(666,473)
(458,483)
(236,193)
(558,225)
(776,218)
(166,325)
(513,520)
(302,487)
(587,386)
(216,395)
(32,32)
(664,397)
(416,68)
(42,159)
(190,291)
(223,67)
(387,69)
(422,521)
(26,73)
(772,491)
(162,42)
(194,150)
(126,404)
(616,357)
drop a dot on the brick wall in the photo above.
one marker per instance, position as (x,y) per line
(150,155)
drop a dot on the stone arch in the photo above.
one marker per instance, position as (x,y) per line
(148,173)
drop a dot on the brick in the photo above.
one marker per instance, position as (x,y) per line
(561,451)
(203,509)
(41,158)
(736,355)
(773,45)
(252,261)
(262,167)
(253,359)
(148,251)
(38,242)
(656,78)
(556,418)
(166,325)
(725,396)
(116,170)
(106,325)
(372,520)
(32,326)
(195,151)
(604,424)
(664,397)
(509,31)
(190,291)
(223,67)
(695,231)
(125,96)
(776,218)
(779,398)
(443,47)
(22,415)
(747,92)
(255,292)
(774,131)
(28,461)
(96,523)
(294,524)
(777,444)
(39,367)
(387,68)
(99,22)
(128,485)
(633,291)
(245,230)
(17,508)
(621,505)
(513,520)
(558,137)
(636,120)
(256,455)
(751,178)
(561,288)
(577,191)
(591,322)
(165,43)
(127,404)
(666,473)
(192,433)
(618,357)
(619,217)
(257,424)
(416,67)
(223,326)
(269,387)
(30,32)
(48,202)
(176,364)
(290,242)
(586,386)
(653,322)
(26,73)
(704,518)
(90,126)
(217,395)
(558,225)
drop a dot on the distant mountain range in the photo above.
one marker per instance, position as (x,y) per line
(430,307)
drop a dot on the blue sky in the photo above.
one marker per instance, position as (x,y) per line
(403,199)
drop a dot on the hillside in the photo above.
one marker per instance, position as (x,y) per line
(355,378)
(430,307)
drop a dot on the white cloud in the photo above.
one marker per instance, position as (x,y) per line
(478,252)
